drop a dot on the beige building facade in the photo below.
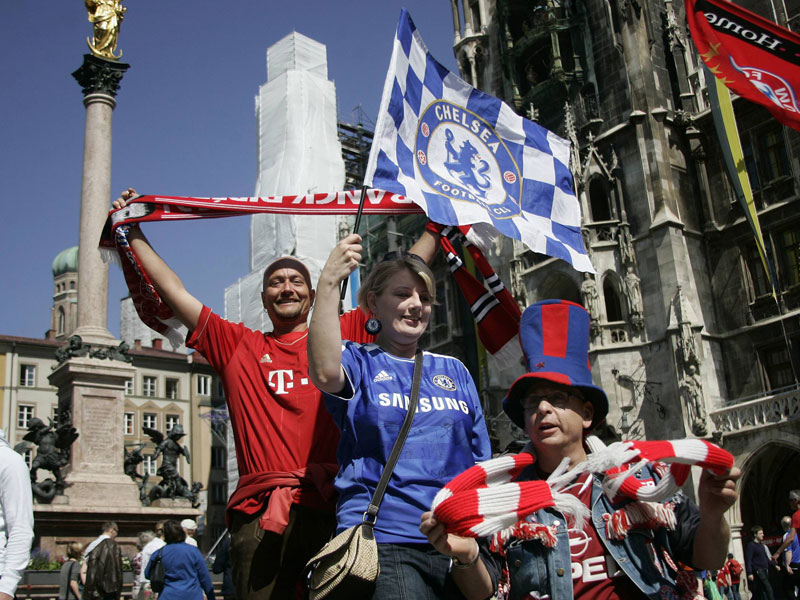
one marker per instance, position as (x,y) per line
(167,388)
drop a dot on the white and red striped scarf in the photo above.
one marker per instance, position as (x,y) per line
(486,501)
(497,320)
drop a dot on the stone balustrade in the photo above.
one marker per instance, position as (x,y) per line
(751,414)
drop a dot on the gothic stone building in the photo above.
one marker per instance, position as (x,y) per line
(687,339)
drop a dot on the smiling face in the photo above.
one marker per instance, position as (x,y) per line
(287,299)
(555,418)
(404,308)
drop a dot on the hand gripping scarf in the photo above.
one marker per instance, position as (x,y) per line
(497,316)
(486,501)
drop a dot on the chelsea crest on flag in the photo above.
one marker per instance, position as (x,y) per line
(466,157)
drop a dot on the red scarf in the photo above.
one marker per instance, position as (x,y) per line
(485,500)
(495,311)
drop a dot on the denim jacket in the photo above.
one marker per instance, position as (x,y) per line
(536,568)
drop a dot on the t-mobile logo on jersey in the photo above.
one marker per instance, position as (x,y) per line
(282,381)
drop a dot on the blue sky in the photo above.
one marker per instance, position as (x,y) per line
(184,123)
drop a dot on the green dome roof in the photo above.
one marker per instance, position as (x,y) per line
(66,262)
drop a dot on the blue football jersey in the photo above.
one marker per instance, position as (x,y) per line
(447,436)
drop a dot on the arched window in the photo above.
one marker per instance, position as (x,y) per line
(599,200)
(61,321)
(613,303)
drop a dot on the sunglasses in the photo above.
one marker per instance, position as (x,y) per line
(400,254)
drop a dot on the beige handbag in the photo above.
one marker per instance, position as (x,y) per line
(347,567)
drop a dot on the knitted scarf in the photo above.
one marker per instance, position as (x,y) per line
(485,500)
(495,311)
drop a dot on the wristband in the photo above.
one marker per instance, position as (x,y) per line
(457,564)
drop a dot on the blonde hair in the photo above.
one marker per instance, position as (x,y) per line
(75,550)
(379,277)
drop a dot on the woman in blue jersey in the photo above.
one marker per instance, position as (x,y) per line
(367,388)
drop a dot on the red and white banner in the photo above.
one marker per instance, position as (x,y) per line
(754,57)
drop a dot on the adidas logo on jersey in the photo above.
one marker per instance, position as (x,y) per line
(382,376)
(266,358)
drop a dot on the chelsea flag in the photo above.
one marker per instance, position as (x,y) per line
(465,157)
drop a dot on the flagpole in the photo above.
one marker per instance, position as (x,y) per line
(355,230)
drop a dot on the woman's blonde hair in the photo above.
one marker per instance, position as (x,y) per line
(75,550)
(379,277)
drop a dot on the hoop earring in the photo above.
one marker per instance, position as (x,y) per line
(373,326)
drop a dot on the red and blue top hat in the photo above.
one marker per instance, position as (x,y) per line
(555,339)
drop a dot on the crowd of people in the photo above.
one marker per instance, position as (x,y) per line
(315,410)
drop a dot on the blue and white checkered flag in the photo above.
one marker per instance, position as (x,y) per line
(465,157)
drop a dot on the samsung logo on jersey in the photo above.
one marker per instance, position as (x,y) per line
(425,404)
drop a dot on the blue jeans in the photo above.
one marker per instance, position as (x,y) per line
(733,592)
(413,572)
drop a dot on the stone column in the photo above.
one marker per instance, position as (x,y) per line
(92,389)
(100,80)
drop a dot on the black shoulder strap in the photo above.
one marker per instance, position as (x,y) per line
(70,593)
(372,512)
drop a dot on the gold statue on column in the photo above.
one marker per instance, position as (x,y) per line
(105,17)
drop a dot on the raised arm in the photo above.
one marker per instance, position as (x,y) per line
(426,246)
(324,332)
(785,544)
(716,494)
(186,307)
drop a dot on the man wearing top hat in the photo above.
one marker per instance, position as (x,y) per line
(558,405)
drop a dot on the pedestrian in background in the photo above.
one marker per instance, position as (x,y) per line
(186,574)
(189,528)
(222,564)
(144,538)
(69,578)
(756,562)
(790,561)
(734,569)
(147,551)
(16,518)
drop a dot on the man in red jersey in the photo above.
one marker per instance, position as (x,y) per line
(282,511)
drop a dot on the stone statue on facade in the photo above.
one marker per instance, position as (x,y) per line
(105,17)
(52,454)
(591,298)
(633,295)
(172,485)
(626,244)
(692,392)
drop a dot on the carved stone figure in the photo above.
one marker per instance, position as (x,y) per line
(633,294)
(172,484)
(52,454)
(687,343)
(591,298)
(626,244)
(105,17)
(692,392)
